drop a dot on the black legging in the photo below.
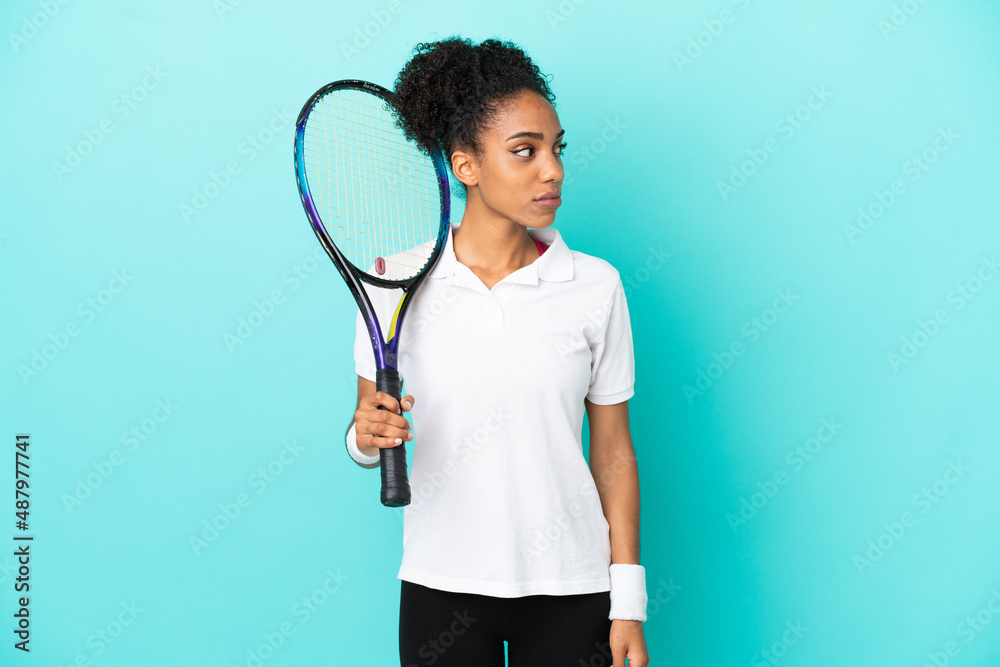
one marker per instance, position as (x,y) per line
(444,629)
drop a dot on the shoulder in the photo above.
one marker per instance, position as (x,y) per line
(595,273)
(591,266)
(597,265)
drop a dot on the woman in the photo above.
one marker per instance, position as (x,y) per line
(512,336)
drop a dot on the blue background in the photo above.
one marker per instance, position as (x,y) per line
(662,103)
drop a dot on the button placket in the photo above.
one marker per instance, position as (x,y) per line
(492,319)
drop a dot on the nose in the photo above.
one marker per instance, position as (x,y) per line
(551,168)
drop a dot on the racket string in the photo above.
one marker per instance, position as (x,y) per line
(377,194)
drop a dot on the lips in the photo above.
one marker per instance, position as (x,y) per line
(550,199)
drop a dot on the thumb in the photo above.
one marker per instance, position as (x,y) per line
(407,403)
(618,655)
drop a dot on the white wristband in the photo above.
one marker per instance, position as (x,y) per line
(628,592)
(361,459)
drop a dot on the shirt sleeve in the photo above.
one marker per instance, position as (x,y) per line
(612,371)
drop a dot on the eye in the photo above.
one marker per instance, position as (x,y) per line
(520,151)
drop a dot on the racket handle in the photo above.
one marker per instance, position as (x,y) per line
(395,483)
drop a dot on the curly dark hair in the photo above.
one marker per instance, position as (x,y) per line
(451,90)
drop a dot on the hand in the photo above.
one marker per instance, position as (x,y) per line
(380,429)
(627,641)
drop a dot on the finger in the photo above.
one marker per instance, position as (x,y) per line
(366,441)
(384,441)
(636,652)
(641,661)
(383,399)
(384,434)
(407,403)
(389,418)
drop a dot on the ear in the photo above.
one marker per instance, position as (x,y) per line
(465,167)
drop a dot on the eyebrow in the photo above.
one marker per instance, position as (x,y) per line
(533,135)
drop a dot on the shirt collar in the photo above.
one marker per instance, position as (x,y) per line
(554,265)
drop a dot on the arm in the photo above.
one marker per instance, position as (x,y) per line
(613,465)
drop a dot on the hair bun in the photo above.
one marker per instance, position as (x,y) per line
(450,90)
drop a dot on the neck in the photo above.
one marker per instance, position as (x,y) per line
(491,242)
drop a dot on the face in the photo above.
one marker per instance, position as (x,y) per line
(520,174)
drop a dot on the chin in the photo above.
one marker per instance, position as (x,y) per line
(543,222)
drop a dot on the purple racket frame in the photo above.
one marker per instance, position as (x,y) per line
(395,483)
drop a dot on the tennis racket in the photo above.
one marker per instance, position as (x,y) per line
(379,205)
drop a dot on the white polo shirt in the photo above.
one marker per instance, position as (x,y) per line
(503,501)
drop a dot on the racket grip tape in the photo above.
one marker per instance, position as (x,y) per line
(395,482)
